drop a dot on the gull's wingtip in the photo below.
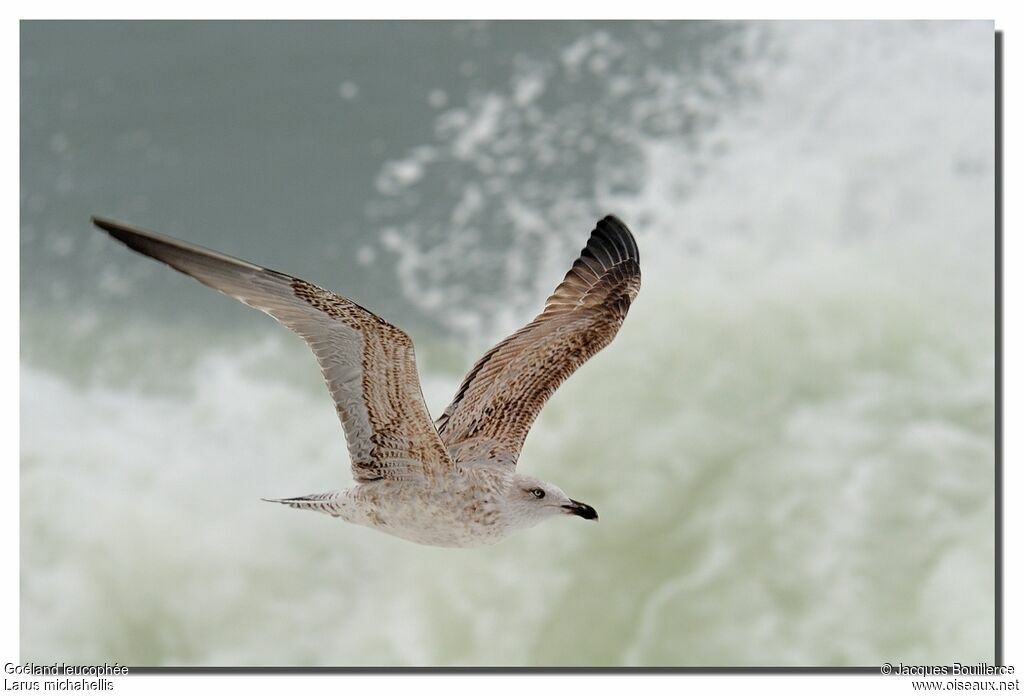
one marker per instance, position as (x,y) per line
(107,225)
(132,237)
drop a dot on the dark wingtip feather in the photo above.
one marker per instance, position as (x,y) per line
(119,230)
(180,255)
(107,225)
(611,242)
(135,239)
(124,233)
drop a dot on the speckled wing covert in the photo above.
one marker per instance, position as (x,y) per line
(501,396)
(369,364)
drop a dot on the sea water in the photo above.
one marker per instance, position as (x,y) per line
(790,443)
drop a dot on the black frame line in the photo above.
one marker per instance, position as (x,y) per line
(998,571)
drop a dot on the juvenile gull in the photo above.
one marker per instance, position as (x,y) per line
(452,482)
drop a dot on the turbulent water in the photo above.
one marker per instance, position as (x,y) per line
(790,442)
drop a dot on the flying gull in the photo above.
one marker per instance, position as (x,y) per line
(451,482)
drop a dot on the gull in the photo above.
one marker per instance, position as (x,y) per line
(451,482)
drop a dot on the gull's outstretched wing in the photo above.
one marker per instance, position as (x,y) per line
(369,364)
(501,396)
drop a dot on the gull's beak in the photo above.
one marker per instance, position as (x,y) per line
(582,509)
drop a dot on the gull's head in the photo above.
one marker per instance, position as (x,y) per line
(531,500)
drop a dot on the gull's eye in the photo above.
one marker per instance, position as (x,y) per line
(537,493)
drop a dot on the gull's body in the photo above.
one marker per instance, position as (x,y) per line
(452,482)
(462,509)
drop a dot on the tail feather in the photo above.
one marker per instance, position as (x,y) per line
(331,503)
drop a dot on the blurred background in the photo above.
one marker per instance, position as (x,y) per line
(790,442)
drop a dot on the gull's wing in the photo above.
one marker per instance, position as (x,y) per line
(369,364)
(503,393)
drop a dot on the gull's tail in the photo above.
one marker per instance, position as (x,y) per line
(334,503)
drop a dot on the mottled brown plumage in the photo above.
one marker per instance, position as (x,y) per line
(368,364)
(502,394)
(453,484)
